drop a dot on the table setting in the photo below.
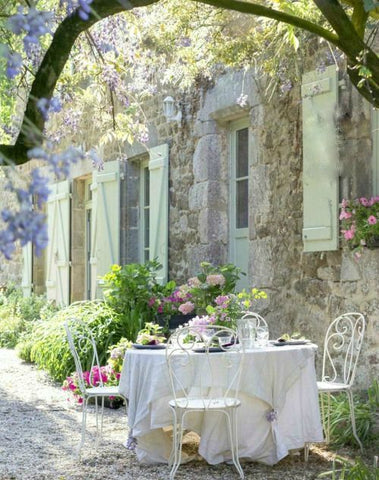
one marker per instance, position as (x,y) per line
(278,392)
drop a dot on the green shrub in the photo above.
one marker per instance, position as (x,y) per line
(365,409)
(18,312)
(129,290)
(10,329)
(50,349)
(345,470)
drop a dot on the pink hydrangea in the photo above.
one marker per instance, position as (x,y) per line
(186,308)
(194,282)
(216,279)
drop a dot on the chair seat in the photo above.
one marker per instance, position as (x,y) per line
(103,391)
(332,387)
(205,403)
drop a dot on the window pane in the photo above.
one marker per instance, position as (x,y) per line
(146,232)
(146,186)
(242,153)
(242,203)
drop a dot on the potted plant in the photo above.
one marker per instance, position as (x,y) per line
(360,223)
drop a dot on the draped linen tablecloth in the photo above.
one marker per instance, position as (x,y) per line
(279,410)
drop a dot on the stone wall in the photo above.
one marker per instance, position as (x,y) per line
(306,290)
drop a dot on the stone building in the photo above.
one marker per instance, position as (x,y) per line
(258,185)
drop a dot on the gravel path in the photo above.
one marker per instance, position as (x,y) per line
(40,429)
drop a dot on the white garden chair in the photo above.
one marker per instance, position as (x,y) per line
(342,346)
(81,340)
(192,383)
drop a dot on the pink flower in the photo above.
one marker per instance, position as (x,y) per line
(345,215)
(349,234)
(216,279)
(344,203)
(186,308)
(371,220)
(151,302)
(364,201)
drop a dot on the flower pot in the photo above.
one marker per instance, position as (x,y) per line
(173,321)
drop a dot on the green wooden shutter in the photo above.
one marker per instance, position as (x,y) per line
(58,248)
(27,262)
(158,167)
(105,234)
(320,160)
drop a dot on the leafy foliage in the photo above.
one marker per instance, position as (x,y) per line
(366,410)
(17,314)
(128,290)
(50,349)
(343,469)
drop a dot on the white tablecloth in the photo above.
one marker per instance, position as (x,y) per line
(281,380)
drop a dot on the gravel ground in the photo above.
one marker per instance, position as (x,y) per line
(40,429)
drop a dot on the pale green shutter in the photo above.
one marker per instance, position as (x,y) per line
(320,160)
(158,167)
(27,262)
(105,234)
(58,248)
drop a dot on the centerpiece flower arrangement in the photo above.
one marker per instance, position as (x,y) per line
(225,310)
(360,222)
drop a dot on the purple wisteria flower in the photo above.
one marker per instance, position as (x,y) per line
(14,63)
(34,23)
(81,6)
(46,105)
(59,163)
(97,161)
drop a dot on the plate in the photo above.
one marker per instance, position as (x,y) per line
(211,349)
(291,342)
(149,347)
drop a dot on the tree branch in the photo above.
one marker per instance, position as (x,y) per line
(260,10)
(50,70)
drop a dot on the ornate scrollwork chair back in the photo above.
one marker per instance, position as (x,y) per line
(342,347)
(81,340)
(211,388)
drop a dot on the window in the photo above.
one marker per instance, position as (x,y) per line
(240,154)
(145,211)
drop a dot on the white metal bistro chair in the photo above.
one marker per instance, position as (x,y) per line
(82,342)
(342,346)
(209,388)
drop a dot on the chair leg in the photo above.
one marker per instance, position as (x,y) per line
(84,421)
(306,452)
(177,438)
(325,419)
(352,417)
(231,421)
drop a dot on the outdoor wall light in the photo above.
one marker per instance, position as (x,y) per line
(170,111)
